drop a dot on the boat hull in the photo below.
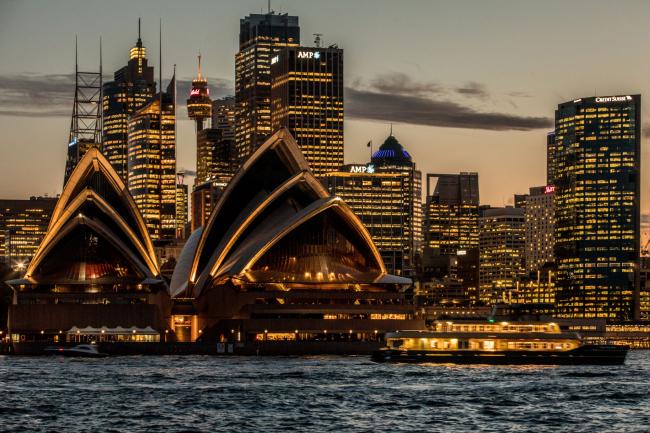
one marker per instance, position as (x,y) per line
(69,353)
(584,355)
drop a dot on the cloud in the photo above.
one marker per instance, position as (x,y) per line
(474,90)
(419,110)
(400,83)
(52,95)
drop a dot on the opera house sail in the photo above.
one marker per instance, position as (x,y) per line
(281,259)
(95,268)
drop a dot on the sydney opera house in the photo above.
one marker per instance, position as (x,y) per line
(279,260)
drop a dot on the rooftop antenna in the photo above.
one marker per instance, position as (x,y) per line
(391,129)
(269,5)
(317,39)
(200,74)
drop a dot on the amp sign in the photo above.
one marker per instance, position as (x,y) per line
(309,54)
(359,169)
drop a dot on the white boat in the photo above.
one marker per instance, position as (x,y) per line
(80,350)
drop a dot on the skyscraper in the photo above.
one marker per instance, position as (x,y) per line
(260,38)
(451,227)
(132,88)
(597,206)
(23,223)
(540,225)
(181,207)
(501,249)
(386,195)
(152,163)
(550,158)
(307,99)
(216,160)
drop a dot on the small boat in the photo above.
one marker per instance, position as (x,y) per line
(80,351)
(504,343)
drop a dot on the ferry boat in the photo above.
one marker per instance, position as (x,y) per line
(473,342)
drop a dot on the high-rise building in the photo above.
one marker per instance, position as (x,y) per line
(181,207)
(451,214)
(261,36)
(199,104)
(597,206)
(152,163)
(216,156)
(644,289)
(550,158)
(540,226)
(386,195)
(307,99)
(132,88)
(216,160)
(501,250)
(23,223)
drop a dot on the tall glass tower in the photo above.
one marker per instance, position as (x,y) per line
(132,88)
(261,36)
(597,168)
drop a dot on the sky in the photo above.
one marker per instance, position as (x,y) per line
(467,85)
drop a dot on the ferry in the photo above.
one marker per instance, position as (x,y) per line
(516,343)
(78,351)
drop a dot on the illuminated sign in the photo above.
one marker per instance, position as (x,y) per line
(549,189)
(614,98)
(275,60)
(195,92)
(73,142)
(362,169)
(309,54)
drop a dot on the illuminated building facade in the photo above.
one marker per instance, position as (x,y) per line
(23,224)
(261,36)
(597,207)
(644,289)
(152,164)
(95,267)
(199,104)
(216,160)
(550,158)
(386,196)
(501,252)
(281,259)
(307,99)
(181,209)
(132,88)
(451,231)
(540,227)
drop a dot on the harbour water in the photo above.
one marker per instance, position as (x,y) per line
(312,394)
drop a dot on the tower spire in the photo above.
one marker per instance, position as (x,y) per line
(200,74)
(139,44)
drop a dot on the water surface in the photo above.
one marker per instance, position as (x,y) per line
(342,394)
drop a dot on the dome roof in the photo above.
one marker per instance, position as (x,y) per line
(391,152)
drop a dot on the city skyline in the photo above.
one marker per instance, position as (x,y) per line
(474,106)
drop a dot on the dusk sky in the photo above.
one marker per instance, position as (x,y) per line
(468,85)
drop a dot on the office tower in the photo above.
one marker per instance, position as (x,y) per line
(86,124)
(216,160)
(216,156)
(501,251)
(520,200)
(597,206)
(386,195)
(451,214)
(199,104)
(644,289)
(23,223)
(261,36)
(182,198)
(133,87)
(307,99)
(540,226)
(152,163)
(550,158)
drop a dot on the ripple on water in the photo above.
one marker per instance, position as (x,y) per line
(343,394)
